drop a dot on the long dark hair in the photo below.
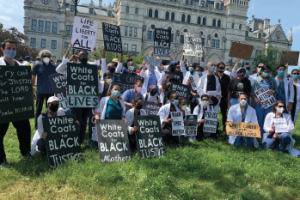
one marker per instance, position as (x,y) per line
(111,87)
(276,104)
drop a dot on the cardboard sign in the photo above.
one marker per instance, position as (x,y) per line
(125,81)
(162,42)
(280,125)
(149,137)
(59,86)
(242,51)
(152,61)
(112,38)
(243,129)
(210,123)
(290,57)
(177,123)
(84,33)
(193,45)
(151,108)
(62,141)
(265,97)
(113,143)
(82,85)
(16,99)
(190,125)
(181,90)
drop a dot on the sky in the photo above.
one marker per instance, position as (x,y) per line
(12,15)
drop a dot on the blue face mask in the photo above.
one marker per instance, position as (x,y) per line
(116,93)
(281,73)
(295,76)
(266,74)
(131,68)
(10,53)
(196,73)
(191,69)
(175,102)
(151,67)
(212,69)
(247,73)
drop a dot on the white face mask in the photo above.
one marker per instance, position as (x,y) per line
(46,60)
(184,107)
(280,110)
(204,102)
(243,102)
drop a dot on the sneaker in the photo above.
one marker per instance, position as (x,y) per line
(5,165)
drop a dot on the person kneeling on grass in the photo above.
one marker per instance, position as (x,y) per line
(276,139)
(242,112)
(53,110)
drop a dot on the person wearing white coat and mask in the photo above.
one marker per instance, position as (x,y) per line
(242,112)
(273,139)
(105,84)
(137,110)
(182,105)
(166,121)
(296,105)
(151,77)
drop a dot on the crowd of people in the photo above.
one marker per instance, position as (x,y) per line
(233,93)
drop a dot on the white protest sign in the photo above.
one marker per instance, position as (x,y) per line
(210,123)
(265,97)
(177,123)
(84,33)
(152,61)
(193,45)
(280,125)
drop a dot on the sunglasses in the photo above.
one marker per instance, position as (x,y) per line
(280,106)
(242,72)
(46,56)
(295,73)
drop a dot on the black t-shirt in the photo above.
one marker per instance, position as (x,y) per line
(224,82)
(237,87)
(211,83)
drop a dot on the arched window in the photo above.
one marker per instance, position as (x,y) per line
(199,20)
(217,6)
(189,19)
(172,16)
(183,17)
(219,23)
(127,9)
(167,15)
(204,21)
(150,13)
(109,13)
(156,14)
(214,23)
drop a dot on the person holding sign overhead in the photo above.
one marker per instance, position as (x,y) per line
(112,67)
(128,95)
(278,128)
(151,77)
(296,105)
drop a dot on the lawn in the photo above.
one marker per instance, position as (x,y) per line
(200,170)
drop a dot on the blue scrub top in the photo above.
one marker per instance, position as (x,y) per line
(280,94)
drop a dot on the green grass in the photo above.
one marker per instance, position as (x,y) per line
(200,170)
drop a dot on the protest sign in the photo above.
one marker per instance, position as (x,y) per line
(149,137)
(242,51)
(192,45)
(84,33)
(162,42)
(16,99)
(112,38)
(190,125)
(243,129)
(265,97)
(290,57)
(181,90)
(177,123)
(210,123)
(194,80)
(113,143)
(125,81)
(152,61)
(59,86)
(82,86)
(92,127)
(62,141)
(151,108)
(280,125)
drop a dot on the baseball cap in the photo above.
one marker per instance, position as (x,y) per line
(51,99)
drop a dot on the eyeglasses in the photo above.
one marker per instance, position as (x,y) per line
(44,56)
(295,73)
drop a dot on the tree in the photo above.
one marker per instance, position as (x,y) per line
(1,25)
(269,56)
(20,39)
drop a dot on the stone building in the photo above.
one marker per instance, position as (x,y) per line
(48,24)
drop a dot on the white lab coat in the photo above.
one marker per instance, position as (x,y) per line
(145,75)
(159,85)
(186,74)
(203,85)
(288,90)
(2,62)
(298,101)
(40,130)
(235,115)
(104,67)
(130,117)
(269,121)
(164,112)
(101,87)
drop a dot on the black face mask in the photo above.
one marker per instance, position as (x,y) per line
(153,92)
(83,59)
(116,64)
(221,69)
(112,70)
(139,106)
(54,107)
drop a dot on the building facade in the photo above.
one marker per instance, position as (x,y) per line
(49,23)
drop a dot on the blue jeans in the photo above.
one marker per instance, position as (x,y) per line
(281,143)
(41,144)
(240,140)
(261,113)
(234,101)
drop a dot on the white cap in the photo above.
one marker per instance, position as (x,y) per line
(239,69)
(51,99)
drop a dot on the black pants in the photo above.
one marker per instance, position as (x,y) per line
(24,135)
(167,136)
(41,144)
(39,104)
(132,141)
(200,135)
(193,105)
(82,115)
(223,107)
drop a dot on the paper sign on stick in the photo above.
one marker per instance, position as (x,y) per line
(242,51)
(193,45)
(243,129)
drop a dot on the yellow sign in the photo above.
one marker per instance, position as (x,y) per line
(243,129)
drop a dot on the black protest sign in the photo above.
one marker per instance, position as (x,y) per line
(82,85)
(125,81)
(113,143)
(193,45)
(162,42)
(190,125)
(112,38)
(151,108)
(149,137)
(16,100)
(62,141)
(211,122)
(180,89)
(59,86)
(92,127)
